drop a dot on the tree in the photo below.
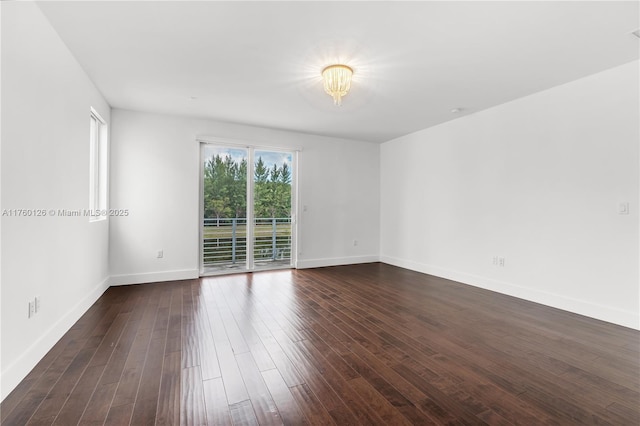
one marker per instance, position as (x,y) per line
(285,174)
(238,188)
(225,183)
(214,204)
(261,173)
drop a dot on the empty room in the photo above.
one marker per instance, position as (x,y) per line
(320,212)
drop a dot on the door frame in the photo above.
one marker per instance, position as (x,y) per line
(251,148)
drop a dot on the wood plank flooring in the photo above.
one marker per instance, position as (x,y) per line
(353,345)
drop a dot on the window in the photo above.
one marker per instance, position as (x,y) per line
(98,167)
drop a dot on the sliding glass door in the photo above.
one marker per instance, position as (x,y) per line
(246,209)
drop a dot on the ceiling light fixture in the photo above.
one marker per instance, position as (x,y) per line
(337,81)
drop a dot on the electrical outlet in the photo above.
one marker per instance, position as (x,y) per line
(501,261)
(32,308)
(355,243)
(36,302)
(160,254)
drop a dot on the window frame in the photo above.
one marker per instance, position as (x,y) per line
(98,167)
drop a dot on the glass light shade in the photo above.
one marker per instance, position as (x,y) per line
(337,81)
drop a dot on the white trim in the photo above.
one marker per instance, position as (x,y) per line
(250,209)
(15,372)
(242,143)
(97,115)
(154,277)
(335,261)
(295,207)
(582,307)
(201,210)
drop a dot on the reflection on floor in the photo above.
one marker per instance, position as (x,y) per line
(240,267)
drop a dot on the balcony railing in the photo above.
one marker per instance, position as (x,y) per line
(225,240)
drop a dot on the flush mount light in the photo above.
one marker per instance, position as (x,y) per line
(337,81)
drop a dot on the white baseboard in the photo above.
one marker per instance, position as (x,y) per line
(154,277)
(582,307)
(13,373)
(335,261)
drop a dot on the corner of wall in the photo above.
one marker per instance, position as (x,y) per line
(582,307)
(13,373)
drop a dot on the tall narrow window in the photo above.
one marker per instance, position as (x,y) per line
(98,167)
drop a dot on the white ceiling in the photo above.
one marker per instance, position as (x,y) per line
(259,63)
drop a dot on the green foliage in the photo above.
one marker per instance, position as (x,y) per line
(261,174)
(225,183)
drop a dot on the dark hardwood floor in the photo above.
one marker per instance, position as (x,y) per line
(362,344)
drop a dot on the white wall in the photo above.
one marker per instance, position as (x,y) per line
(537,181)
(46,100)
(155,175)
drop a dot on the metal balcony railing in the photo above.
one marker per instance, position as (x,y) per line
(225,240)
